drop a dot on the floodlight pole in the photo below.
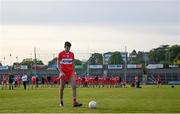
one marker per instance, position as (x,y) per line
(35,61)
(125,69)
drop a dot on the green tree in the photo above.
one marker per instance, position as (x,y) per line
(116,58)
(38,62)
(77,62)
(31,62)
(53,61)
(96,59)
(27,62)
(177,57)
(165,54)
(140,57)
(159,55)
(174,53)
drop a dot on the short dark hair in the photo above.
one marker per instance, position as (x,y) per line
(67,44)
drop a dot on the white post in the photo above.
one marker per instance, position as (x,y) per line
(35,59)
(10,59)
(4,61)
(88,65)
(17,59)
(125,69)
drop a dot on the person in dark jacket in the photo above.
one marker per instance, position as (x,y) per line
(11,82)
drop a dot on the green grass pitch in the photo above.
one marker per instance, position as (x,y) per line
(148,99)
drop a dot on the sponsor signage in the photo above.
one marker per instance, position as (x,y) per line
(134,66)
(39,67)
(95,66)
(24,67)
(4,67)
(154,66)
(78,66)
(173,66)
(114,66)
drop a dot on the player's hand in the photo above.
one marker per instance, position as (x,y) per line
(75,74)
(61,74)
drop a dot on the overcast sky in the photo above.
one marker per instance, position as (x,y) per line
(90,25)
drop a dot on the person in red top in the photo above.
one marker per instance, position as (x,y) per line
(33,80)
(158,81)
(65,62)
(5,81)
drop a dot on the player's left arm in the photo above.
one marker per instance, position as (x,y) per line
(73,64)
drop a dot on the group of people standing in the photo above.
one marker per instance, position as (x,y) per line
(14,81)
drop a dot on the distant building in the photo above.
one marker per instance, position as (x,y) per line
(140,57)
(132,56)
(106,57)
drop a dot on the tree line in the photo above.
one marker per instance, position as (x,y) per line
(163,54)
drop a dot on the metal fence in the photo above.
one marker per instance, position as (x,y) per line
(165,74)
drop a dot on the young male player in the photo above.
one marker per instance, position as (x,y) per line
(158,81)
(65,62)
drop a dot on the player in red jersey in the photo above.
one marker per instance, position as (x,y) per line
(158,81)
(5,81)
(65,62)
(33,80)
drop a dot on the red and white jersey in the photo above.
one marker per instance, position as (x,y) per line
(136,78)
(33,78)
(66,61)
(158,78)
(5,77)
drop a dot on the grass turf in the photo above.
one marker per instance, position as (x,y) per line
(148,99)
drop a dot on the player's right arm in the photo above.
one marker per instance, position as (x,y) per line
(61,73)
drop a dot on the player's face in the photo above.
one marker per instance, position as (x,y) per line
(67,48)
